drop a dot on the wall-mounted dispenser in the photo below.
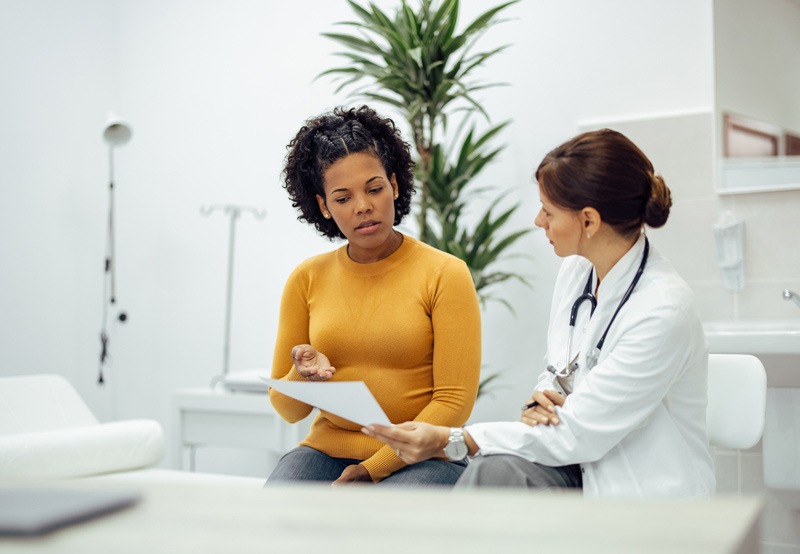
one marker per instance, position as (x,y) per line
(729,235)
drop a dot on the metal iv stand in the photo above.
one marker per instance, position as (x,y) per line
(117,132)
(233,212)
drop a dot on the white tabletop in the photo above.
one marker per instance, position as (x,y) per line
(221,399)
(200,518)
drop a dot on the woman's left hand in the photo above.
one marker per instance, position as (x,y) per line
(414,441)
(544,411)
(353,474)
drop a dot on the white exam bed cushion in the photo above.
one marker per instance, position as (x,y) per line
(81,451)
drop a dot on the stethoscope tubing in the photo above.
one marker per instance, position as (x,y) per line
(587,295)
(628,292)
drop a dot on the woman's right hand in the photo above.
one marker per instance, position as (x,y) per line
(545,411)
(414,441)
(311,364)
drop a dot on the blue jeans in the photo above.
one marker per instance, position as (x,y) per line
(308,464)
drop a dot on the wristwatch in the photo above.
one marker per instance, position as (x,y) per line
(456,448)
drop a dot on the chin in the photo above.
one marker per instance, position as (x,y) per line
(376,238)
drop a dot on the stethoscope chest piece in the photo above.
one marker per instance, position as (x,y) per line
(591,358)
(560,369)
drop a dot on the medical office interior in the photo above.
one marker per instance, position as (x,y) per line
(213,92)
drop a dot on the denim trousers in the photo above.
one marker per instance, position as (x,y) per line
(308,464)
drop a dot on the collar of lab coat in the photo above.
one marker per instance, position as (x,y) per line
(611,287)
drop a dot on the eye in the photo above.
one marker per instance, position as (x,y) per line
(375,190)
(342,199)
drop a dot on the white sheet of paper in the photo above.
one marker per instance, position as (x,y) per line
(351,400)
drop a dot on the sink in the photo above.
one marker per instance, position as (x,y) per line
(753,336)
(776,342)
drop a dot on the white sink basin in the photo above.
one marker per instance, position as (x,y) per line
(775,341)
(754,336)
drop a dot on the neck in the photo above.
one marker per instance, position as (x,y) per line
(376,254)
(607,251)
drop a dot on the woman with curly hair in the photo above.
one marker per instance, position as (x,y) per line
(384,308)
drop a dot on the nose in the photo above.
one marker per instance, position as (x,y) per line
(363,204)
(540,219)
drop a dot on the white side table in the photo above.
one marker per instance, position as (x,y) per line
(206,416)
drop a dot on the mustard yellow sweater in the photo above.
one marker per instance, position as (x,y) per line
(407,325)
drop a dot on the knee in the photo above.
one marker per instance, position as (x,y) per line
(489,471)
(300,464)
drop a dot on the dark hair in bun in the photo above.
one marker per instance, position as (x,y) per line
(604,170)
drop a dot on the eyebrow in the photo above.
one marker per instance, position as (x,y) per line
(368,181)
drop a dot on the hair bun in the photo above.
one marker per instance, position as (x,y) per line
(656,212)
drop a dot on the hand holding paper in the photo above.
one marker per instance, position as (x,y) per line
(351,400)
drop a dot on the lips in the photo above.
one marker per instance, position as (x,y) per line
(367,227)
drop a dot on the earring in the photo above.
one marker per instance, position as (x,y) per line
(396,196)
(588,236)
(326,215)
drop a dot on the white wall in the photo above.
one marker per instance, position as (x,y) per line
(757,66)
(58,64)
(214,91)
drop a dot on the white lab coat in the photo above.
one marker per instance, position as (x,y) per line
(636,423)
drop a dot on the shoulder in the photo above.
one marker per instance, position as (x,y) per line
(436,271)
(664,287)
(661,312)
(663,301)
(313,266)
(432,258)
(425,251)
(573,267)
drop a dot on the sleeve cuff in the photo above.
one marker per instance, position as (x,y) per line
(383,463)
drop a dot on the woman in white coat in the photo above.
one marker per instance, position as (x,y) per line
(620,409)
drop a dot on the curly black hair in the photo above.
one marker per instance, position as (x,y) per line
(327,138)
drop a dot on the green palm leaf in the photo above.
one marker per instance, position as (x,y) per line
(417,62)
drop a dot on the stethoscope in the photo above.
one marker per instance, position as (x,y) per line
(594,353)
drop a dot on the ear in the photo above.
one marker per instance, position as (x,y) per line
(395,188)
(591,221)
(323,207)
